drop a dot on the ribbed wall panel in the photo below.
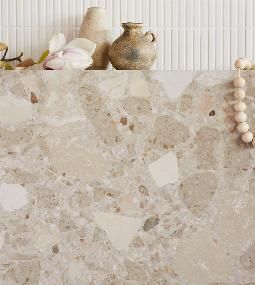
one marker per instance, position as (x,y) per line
(192,34)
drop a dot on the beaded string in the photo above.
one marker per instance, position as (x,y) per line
(240,107)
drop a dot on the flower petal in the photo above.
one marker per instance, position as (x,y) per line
(49,58)
(57,43)
(82,43)
(56,63)
(69,58)
(67,65)
(78,58)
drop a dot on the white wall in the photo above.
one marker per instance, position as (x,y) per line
(193,34)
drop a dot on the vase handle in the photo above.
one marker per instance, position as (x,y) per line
(151,36)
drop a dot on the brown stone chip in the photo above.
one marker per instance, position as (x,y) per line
(150,223)
(55,248)
(197,192)
(144,190)
(131,127)
(123,121)
(34,99)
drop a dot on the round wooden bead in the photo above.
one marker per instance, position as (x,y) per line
(240,107)
(241,63)
(241,117)
(239,82)
(247,137)
(243,128)
(239,94)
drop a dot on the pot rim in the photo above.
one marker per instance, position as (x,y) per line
(132,24)
(96,8)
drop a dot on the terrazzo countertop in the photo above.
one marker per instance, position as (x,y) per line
(111,178)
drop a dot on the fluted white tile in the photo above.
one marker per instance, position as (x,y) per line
(211,49)
(138,11)
(175,13)
(219,49)
(153,12)
(131,11)
(197,50)
(64,13)
(124,10)
(167,13)
(192,34)
(49,13)
(227,63)
(146,10)
(190,50)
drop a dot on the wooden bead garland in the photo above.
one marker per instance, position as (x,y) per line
(240,107)
(241,117)
(239,82)
(243,128)
(239,94)
(247,137)
(240,63)
(243,63)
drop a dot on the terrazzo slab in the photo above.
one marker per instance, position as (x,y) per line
(133,178)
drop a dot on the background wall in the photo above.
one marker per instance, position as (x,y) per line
(192,34)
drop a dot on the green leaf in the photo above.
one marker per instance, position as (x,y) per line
(7,66)
(43,57)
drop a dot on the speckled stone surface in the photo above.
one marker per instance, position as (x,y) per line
(126,178)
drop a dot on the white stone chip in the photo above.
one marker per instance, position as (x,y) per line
(165,170)
(138,85)
(1,240)
(12,197)
(14,111)
(174,83)
(120,229)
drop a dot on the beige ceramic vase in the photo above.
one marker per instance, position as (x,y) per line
(133,50)
(96,28)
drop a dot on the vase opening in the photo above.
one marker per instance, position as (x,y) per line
(132,25)
(96,8)
(132,28)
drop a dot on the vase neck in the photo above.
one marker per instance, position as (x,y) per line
(96,9)
(132,28)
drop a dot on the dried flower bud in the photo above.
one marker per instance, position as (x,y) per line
(1,64)
(26,63)
(3,46)
(242,63)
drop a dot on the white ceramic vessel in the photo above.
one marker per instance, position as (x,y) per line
(96,27)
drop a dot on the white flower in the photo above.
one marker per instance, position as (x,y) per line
(57,42)
(75,55)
